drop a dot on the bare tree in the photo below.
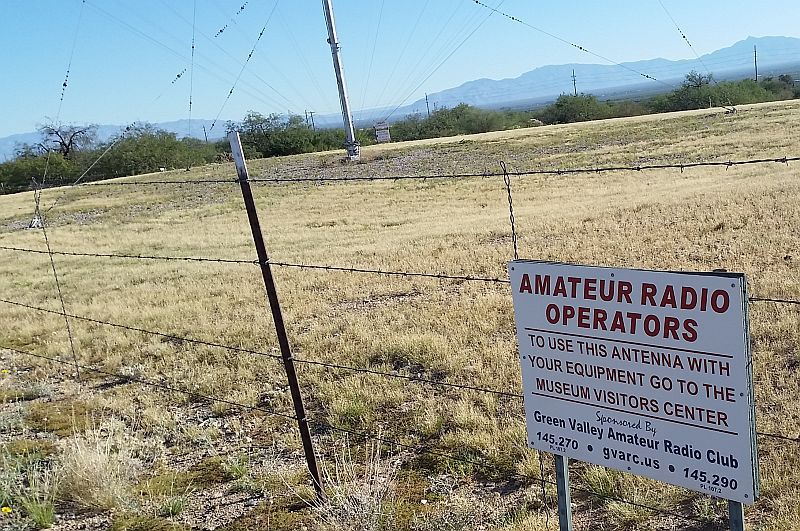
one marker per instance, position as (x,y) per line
(66,139)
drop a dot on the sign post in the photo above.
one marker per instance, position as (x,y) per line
(736,515)
(647,372)
(564,502)
(382,132)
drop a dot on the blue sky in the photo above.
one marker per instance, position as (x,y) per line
(127,53)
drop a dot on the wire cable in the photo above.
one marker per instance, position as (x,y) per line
(436,69)
(244,66)
(156,385)
(412,274)
(337,366)
(400,57)
(191,68)
(441,276)
(685,38)
(489,467)
(321,179)
(565,41)
(372,56)
(39,185)
(173,337)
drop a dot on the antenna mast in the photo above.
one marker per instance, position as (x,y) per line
(351,144)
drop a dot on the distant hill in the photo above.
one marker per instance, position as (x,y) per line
(776,55)
(545,83)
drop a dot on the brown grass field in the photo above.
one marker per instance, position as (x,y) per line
(104,452)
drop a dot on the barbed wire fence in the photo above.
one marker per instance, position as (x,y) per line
(322,425)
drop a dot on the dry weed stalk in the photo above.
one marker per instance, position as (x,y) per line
(360,495)
(97,469)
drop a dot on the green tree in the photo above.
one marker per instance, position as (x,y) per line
(569,108)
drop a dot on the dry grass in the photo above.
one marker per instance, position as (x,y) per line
(741,219)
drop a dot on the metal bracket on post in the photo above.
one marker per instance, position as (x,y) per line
(277,316)
(736,515)
(564,502)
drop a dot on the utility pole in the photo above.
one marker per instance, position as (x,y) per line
(755,61)
(574,84)
(351,144)
(427,105)
(205,133)
(313,127)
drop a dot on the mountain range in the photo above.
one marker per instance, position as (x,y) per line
(776,55)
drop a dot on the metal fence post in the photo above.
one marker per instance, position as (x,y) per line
(736,515)
(562,484)
(277,316)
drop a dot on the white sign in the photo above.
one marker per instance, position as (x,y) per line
(382,132)
(647,372)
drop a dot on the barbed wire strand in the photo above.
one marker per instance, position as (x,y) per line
(157,385)
(486,466)
(331,427)
(174,337)
(468,175)
(310,362)
(507,181)
(412,274)
(171,337)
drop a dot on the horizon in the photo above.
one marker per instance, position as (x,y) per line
(386,63)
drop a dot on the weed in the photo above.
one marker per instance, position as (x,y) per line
(97,470)
(360,496)
(27,489)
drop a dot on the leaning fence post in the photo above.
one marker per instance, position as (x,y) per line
(277,316)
